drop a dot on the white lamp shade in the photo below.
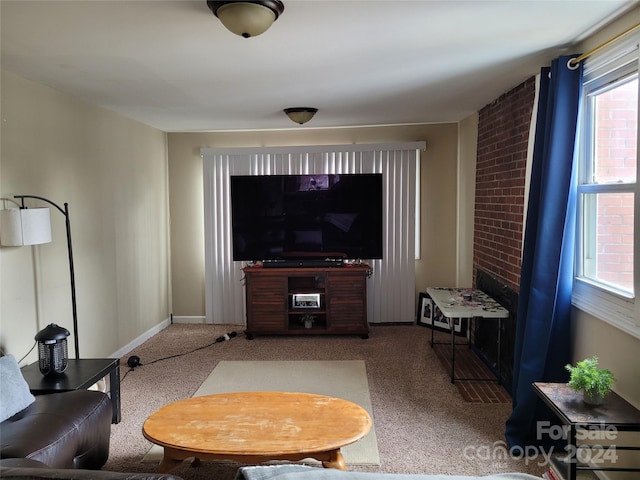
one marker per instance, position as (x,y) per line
(25,226)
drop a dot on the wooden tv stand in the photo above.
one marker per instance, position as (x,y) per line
(274,306)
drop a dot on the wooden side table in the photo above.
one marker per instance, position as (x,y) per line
(80,374)
(567,404)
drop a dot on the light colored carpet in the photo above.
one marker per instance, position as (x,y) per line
(345,379)
(422,424)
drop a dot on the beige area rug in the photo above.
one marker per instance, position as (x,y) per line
(343,379)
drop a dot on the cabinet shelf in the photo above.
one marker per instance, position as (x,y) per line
(561,469)
(317,325)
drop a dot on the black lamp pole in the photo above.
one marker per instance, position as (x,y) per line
(65,212)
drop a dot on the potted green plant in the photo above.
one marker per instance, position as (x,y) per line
(594,382)
(308,319)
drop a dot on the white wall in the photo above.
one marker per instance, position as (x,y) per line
(113,173)
(467,156)
(438,170)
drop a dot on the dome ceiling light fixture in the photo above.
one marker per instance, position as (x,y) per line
(247,19)
(300,114)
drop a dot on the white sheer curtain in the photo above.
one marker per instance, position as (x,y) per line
(390,290)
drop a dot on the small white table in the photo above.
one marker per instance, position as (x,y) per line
(467,303)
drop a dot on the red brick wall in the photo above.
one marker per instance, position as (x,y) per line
(503,135)
(616,147)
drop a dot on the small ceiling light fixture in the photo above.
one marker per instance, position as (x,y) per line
(300,114)
(247,19)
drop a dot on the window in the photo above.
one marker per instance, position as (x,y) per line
(606,255)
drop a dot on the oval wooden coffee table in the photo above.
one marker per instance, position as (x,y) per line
(255,427)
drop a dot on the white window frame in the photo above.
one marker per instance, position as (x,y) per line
(607,304)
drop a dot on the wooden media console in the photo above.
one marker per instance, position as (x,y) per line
(332,300)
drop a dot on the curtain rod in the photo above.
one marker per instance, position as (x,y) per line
(575,61)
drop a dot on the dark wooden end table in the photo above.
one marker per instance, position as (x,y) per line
(80,374)
(616,414)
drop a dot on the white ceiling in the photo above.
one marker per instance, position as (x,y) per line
(172,65)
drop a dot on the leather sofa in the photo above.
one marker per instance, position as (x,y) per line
(25,469)
(61,430)
(57,436)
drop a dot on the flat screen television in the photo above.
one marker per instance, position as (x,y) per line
(284,217)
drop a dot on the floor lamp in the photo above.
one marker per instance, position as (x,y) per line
(31,226)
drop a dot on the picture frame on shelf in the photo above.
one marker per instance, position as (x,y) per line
(305,300)
(425,310)
(430,316)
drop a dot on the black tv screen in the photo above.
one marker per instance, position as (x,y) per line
(278,217)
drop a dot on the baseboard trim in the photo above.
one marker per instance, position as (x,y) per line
(189,319)
(141,339)
(158,328)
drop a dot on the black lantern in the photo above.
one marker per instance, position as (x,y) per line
(52,349)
